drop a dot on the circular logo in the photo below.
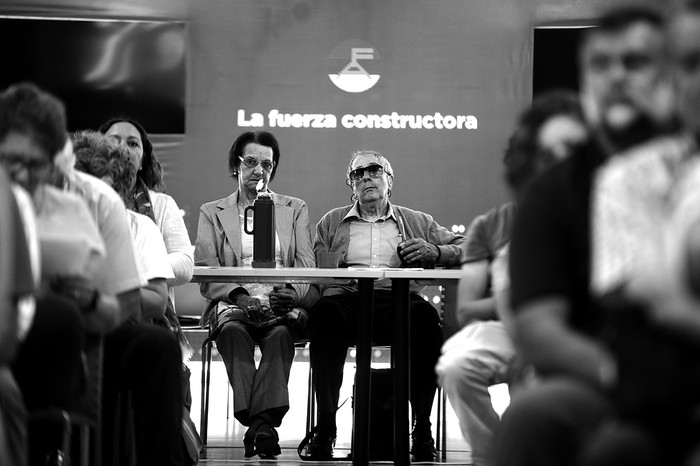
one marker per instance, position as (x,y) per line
(356,57)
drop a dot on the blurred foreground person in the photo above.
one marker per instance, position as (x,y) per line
(239,316)
(367,233)
(32,134)
(626,100)
(645,271)
(110,163)
(482,354)
(16,283)
(100,158)
(84,290)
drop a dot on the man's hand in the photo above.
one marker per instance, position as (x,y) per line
(283,300)
(418,251)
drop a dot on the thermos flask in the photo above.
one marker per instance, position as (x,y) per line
(263,230)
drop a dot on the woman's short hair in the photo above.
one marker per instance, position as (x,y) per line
(27,109)
(98,157)
(264,138)
(151,172)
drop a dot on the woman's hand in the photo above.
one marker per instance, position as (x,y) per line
(283,300)
(248,304)
(418,251)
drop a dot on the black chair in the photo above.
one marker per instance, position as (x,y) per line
(81,425)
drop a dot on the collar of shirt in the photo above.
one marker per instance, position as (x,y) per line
(354,213)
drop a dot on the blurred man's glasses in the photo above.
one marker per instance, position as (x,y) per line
(374,171)
(252,162)
(17,162)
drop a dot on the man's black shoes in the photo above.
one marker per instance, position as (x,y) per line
(423,447)
(321,446)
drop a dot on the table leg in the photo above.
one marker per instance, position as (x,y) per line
(360,437)
(400,361)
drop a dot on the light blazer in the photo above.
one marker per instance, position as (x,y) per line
(219,244)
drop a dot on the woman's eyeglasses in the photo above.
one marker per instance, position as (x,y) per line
(374,171)
(252,162)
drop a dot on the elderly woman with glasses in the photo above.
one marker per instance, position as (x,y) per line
(373,232)
(242,315)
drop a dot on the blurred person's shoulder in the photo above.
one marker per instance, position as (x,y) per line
(53,198)
(495,214)
(648,160)
(160,199)
(96,189)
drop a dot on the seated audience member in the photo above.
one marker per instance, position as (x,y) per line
(482,354)
(32,132)
(147,196)
(243,315)
(557,326)
(113,161)
(367,233)
(112,164)
(644,269)
(16,282)
(101,159)
(138,358)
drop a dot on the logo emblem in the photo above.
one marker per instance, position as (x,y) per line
(354,77)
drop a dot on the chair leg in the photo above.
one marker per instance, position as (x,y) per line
(443,436)
(85,445)
(206,379)
(310,403)
(228,400)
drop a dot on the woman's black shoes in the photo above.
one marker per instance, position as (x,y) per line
(262,440)
(267,442)
(249,443)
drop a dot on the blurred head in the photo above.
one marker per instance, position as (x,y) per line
(370,176)
(546,133)
(32,133)
(129,134)
(684,40)
(254,156)
(103,159)
(626,92)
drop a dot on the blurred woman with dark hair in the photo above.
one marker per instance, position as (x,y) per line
(147,196)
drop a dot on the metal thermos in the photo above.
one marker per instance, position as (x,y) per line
(263,232)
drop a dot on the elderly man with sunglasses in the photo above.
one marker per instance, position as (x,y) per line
(373,232)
